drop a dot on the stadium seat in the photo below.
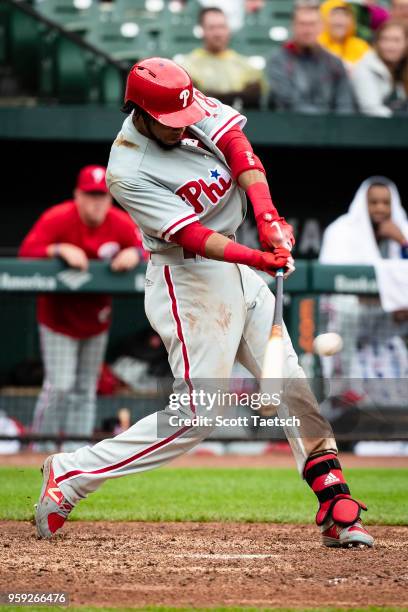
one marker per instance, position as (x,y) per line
(112,84)
(72,79)
(275,12)
(129,10)
(177,41)
(24,38)
(66,14)
(5,12)
(255,40)
(47,61)
(188,17)
(363,20)
(127,41)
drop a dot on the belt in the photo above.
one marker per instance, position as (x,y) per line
(176,255)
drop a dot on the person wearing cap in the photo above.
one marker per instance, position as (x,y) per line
(74,328)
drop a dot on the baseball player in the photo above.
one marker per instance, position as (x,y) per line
(74,328)
(182,168)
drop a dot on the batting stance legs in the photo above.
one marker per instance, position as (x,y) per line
(207,313)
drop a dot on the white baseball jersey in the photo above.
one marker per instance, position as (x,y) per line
(163,191)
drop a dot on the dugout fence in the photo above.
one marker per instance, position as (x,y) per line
(362,390)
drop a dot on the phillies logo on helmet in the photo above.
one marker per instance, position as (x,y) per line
(184,95)
(213,191)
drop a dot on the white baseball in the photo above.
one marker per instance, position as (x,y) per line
(327,344)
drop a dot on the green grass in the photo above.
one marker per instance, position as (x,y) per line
(202,494)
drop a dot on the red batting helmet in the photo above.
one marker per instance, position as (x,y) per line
(165,91)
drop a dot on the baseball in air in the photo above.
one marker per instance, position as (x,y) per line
(327,344)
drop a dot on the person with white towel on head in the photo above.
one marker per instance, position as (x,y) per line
(374,231)
(374,227)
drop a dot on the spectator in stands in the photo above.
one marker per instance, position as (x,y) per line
(399,10)
(303,76)
(380,79)
(219,71)
(338,34)
(74,328)
(234,11)
(375,227)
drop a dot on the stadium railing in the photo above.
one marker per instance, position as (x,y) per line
(369,404)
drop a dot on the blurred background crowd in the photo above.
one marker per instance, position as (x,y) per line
(339,56)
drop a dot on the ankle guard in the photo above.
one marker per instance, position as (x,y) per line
(325,477)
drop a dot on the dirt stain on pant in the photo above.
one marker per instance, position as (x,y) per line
(223,319)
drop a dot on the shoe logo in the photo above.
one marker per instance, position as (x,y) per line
(55,494)
(331,479)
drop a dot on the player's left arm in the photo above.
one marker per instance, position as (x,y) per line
(248,171)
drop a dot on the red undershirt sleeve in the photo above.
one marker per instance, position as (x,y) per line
(240,157)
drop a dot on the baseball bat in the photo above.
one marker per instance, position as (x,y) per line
(273,359)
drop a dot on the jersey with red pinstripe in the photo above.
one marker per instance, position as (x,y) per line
(164,191)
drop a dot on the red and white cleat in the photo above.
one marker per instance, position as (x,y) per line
(339,536)
(53,508)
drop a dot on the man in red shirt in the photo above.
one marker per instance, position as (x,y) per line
(74,328)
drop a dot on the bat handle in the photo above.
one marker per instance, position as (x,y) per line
(278,313)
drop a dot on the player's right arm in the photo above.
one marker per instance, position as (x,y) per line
(247,169)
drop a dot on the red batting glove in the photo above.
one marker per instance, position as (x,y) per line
(267,262)
(274,232)
(271,262)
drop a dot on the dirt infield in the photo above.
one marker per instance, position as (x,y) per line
(136,564)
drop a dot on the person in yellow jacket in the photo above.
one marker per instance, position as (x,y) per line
(338,32)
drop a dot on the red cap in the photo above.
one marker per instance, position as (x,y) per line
(92,178)
(165,91)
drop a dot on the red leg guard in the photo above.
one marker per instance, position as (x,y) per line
(325,477)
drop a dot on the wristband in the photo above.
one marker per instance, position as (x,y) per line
(261,200)
(238,253)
